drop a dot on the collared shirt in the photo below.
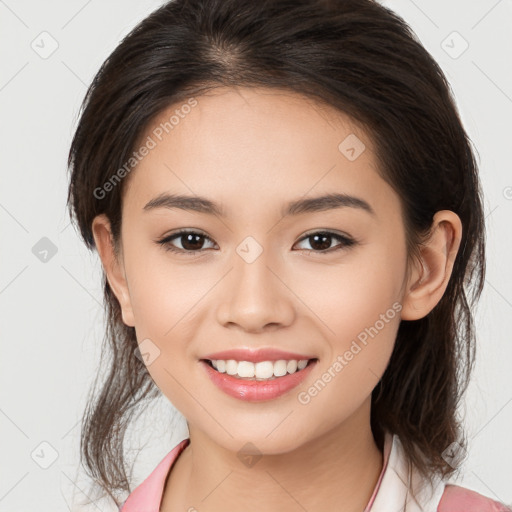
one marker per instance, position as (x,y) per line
(393,491)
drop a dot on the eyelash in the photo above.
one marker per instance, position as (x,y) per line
(345,241)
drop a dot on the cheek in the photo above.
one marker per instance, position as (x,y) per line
(360,317)
(161,292)
(358,307)
(166,299)
(352,296)
(162,313)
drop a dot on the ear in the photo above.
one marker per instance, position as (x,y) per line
(113,266)
(429,277)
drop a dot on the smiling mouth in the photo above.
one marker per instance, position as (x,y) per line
(261,371)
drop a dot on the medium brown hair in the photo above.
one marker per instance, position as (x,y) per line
(358,57)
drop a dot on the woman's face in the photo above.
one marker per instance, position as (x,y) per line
(257,281)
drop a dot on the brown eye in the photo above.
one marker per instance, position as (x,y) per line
(190,241)
(321,241)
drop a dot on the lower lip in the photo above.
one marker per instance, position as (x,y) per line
(254,390)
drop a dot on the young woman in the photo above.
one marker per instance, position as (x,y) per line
(289,217)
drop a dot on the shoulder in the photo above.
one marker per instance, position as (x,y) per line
(460,499)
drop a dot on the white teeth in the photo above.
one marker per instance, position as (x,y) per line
(262,370)
(245,369)
(280,368)
(231,367)
(291,367)
(302,364)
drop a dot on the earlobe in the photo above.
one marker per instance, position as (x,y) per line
(430,276)
(112,266)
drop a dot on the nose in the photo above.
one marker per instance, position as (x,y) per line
(254,296)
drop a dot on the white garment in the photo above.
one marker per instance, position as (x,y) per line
(393,494)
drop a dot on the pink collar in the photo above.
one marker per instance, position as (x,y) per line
(148,495)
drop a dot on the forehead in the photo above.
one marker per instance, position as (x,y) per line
(254,145)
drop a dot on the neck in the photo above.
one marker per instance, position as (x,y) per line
(338,470)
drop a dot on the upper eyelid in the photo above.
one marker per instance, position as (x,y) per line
(305,235)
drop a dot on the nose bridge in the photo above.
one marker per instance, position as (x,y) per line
(256,296)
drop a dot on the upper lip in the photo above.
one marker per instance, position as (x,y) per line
(256,356)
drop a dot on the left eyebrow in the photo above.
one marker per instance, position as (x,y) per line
(300,206)
(326,202)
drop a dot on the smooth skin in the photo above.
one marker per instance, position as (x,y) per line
(253,150)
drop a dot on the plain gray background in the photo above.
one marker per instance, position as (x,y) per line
(51,321)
